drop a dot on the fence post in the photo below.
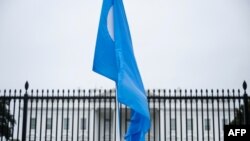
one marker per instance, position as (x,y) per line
(246,104)
(25,108)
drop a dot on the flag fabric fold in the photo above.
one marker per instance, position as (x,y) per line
(114,58)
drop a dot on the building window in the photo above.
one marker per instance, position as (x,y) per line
(32,137)
(107,127)
(66,123)
(49,124)
(172,122)
(128,122)
(107,123)
(33,123)
(224,122)
(207,124)
(189,124)
(83,124)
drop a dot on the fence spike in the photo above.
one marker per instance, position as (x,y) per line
(32,93)
(37,95)
(79,93)
(63,92)
(52,91)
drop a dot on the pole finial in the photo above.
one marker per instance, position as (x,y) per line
(26,85)
(244,85)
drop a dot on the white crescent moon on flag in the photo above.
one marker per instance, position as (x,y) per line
(110,23)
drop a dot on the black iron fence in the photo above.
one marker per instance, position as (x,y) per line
(90,115)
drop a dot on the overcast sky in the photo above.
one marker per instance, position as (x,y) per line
(177,43)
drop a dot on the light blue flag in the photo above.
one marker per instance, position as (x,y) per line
(114,58)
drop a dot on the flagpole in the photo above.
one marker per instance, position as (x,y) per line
(117,118)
